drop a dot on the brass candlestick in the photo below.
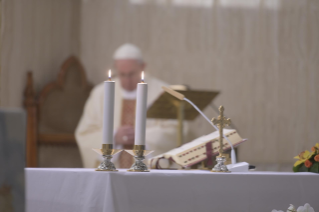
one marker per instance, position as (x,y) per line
(221,122)
(107,152)
(139,153)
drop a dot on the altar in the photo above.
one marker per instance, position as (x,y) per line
(66,189)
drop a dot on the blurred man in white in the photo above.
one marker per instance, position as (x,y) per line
(160,134)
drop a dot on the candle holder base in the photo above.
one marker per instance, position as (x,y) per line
(220,166)
(139,154)
(138,165)
(107,152)
(106,165)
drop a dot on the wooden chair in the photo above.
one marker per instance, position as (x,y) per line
(52,117)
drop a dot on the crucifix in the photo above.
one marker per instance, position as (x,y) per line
(221,122)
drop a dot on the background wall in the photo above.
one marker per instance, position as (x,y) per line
(36,35)
(261,54)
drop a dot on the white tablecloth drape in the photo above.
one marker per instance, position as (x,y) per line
(85,190)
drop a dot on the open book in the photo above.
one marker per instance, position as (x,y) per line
(198,150)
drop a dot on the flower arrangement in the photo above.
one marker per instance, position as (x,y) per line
(308,161)
(305,208)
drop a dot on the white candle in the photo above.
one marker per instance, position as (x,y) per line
(108,110)
(140,112)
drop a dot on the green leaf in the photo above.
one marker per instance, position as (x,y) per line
(296,168)
(315,167)
(303,168)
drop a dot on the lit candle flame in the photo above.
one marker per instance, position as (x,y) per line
(142,77)
(110,75)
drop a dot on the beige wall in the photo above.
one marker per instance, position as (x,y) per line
(263,57)
(36,35)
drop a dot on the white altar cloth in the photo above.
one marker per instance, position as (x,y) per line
(85,190)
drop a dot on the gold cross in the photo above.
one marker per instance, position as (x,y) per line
(221,122)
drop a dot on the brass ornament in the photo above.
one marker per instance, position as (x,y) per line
(221,122)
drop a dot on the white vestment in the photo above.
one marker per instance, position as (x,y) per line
(161,134)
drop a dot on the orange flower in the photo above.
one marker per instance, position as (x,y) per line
(303,156)
(315,147)
(308,163)
(317,158)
